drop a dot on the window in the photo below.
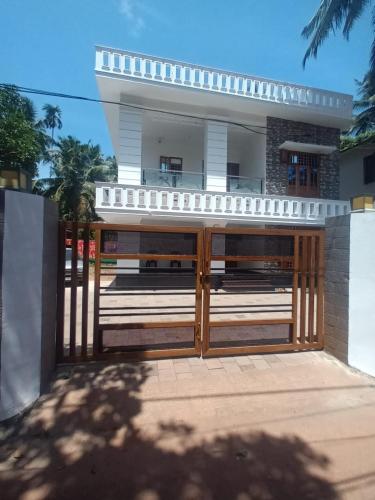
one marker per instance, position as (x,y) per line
(170,164)
(369,169)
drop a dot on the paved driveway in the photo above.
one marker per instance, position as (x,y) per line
(289,426)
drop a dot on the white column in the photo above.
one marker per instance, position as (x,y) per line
(215,155)
(132,242)
(218,248)
(130,150)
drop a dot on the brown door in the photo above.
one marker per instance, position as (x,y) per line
(303,173)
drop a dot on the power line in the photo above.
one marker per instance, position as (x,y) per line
(28,90)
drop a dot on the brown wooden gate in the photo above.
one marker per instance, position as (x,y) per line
(139,294)
(263,290)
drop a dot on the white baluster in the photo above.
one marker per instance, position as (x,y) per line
(196,77)
(118,197)
(218,199)
(294,209)
(208,203)
(197,202)
(153,199)
(228,204)
(206,79)
(257,206)
(164,200)
(176,201)
(264,90)
(186,201)
(130,197)
(178,77)
(267,207)
(276,208)
(238,205)
(240,84)
(286,208)
(249,86)
(187,72)
(168,73)
(280,93)
(248,205)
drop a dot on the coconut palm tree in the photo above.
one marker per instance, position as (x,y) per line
(52,118)
(76,166)
(330,16)
(364,121)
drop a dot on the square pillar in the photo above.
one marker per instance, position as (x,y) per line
(350,289)
(132,243)
(215,155)
(130,147)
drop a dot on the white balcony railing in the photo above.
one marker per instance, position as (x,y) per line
(261,208)
(167,71)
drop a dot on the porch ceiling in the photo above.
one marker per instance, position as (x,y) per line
(200,103)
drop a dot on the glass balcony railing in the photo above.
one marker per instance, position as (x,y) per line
(244,185)
(196,181)
(173,179)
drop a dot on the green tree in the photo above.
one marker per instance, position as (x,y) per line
(364,121)
(76,166)
(52,118)
(23,140)
(330,16)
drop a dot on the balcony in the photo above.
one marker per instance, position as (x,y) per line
(143,68)
(196,181)
(139,200)
(172,179)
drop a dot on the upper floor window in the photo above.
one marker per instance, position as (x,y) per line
(170,164)
(369,169)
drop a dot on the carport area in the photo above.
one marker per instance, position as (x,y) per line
(276,426)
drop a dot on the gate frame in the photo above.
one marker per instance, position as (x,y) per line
(300,266)
(98,328)
(312,242)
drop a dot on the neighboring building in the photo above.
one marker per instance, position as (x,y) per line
(357,171)
(197,145)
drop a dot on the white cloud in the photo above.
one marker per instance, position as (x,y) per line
(136,13)
(132,10)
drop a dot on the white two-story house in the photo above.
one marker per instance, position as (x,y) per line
(203,146)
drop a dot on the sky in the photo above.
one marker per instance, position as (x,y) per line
(50,45)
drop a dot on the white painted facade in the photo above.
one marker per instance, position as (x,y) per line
(209,118)
(361,329)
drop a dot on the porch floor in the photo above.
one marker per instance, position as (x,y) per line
(288,426)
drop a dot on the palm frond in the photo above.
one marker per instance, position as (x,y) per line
(355,9)
(329,17)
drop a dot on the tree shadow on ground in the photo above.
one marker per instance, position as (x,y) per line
(81,441)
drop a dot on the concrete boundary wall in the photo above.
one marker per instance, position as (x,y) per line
(28,244)
(350,290)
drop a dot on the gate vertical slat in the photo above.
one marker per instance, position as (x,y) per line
(85,287)
(73,291)
(302,319)
(320,289)
(207,285)
(96,291)
(60,294)
(198,291)
(295,288)
(312,267)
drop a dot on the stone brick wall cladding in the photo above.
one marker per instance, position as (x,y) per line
(278,131)
(336,301)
